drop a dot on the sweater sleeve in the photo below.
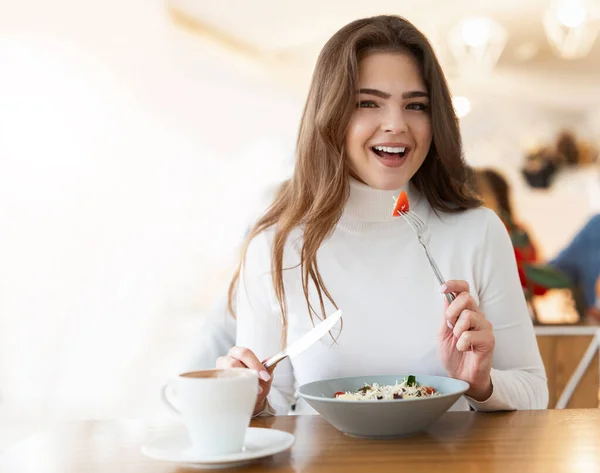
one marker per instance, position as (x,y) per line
(259,325)
(518,374)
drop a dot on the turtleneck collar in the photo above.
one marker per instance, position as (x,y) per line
(367,204)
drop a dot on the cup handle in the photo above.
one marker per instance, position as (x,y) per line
(167,402)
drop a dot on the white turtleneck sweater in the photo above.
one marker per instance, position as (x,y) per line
(378,274)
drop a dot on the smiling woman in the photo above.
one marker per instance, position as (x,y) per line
(389,136)
(379,121)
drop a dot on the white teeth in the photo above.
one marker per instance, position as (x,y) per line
(389,149)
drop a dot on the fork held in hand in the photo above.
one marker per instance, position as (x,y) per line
(419,227)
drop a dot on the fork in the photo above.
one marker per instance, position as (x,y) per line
(419,227)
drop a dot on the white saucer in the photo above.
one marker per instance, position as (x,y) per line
(258,443)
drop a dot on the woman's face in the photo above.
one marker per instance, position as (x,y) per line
(389,134)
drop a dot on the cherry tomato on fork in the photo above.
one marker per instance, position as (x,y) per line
(402,204)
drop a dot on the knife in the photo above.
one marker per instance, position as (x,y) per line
(305,341)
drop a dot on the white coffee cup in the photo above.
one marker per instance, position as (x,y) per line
(216,406)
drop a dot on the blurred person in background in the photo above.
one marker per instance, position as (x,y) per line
(580,260)
(495,191)
(577,267)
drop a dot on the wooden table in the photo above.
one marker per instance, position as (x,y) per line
(527,441)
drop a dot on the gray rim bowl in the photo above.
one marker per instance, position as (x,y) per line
(381,419)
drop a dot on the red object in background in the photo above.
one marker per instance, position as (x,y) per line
(525,253)
(402,204)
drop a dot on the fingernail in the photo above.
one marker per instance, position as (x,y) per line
(264,375)
(450,326)
(260,390)
(443,288)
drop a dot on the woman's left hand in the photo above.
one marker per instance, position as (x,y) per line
(466,341)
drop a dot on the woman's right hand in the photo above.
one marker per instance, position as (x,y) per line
(240,357)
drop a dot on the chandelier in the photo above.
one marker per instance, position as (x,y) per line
(476,43)
(571,27)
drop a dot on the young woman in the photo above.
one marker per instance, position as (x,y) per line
(379,120)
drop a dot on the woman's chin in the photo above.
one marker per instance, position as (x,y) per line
(385,181)
(387,184)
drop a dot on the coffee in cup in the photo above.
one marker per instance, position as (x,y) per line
(216,406)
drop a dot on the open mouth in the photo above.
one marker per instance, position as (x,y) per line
(389,152)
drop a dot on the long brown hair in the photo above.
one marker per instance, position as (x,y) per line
(315,195)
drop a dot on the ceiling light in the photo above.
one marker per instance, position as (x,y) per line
(462,106)
(570,28)
(571,15)
(477,42)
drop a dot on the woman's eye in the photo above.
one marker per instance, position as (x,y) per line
(418,106)
(366,104)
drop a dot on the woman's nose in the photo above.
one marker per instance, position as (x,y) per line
(394,122)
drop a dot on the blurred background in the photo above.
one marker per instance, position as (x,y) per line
(140,138)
